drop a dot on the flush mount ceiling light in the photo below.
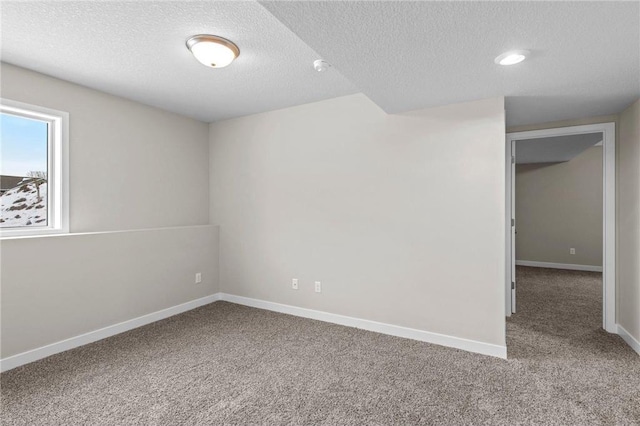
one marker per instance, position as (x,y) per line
(321,65)
(511,58)
(213,51)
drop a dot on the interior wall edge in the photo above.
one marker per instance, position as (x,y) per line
(627,337)
(628,216)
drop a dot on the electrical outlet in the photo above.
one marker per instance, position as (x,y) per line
(572,251)
(294,283)
(318,285)
(198,278)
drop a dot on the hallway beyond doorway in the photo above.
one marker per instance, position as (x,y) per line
(560,316)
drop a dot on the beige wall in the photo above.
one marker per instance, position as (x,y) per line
(401,217)
(629,221)
(131,167)
(58,287)
(558,207)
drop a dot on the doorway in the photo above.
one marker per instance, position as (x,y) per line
(574,137)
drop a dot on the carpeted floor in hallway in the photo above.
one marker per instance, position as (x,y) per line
(229,364)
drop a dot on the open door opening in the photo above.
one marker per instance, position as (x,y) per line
(558,146)
(512,226)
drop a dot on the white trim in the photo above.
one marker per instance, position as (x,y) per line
(475,346)
(393,330)
(102,333)
(609,227)
(573,267)
(627,337)
(512,220)
(608,207)
(119,231)
(57,167)
(508,265)
(499,351)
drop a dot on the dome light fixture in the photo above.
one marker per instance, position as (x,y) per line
(321,65)
(213,51)
(513,57)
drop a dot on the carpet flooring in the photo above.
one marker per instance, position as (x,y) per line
(229,364)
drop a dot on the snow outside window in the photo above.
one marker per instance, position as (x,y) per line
(33,170)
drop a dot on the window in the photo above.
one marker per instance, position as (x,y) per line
(33,170)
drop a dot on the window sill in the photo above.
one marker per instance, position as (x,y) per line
(10,234)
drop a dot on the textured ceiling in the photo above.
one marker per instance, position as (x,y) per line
(405,55)
(554,149)
(137,50)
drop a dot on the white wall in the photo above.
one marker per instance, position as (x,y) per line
(629,221)
(135,170)
(558,207)
(401,217)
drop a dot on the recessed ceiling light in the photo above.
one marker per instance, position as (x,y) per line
(512,58)
(213,51)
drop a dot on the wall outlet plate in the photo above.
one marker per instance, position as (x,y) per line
(198,278)
(294,283)
(318,286)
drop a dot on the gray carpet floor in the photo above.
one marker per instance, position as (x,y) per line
(229,364)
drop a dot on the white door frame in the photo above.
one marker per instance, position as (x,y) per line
(608,206)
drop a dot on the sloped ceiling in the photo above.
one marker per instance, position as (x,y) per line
(405,55)
(554,149)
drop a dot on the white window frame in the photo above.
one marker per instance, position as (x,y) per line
(58,168)
(608,131)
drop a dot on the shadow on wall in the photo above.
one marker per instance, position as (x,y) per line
(559,208)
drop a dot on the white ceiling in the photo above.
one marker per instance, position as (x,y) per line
(406,55)
(137,50)
(554,149)
(403,55)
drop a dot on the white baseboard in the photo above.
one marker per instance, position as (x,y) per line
(627,337)
(393,330)
(93,336)
(569,266)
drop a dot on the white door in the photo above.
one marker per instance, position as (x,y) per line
(513,227)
